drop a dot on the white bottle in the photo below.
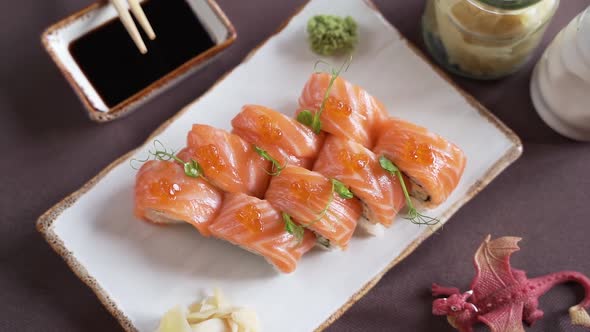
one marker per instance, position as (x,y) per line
(560,86)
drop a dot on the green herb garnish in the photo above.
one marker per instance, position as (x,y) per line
(191,167)
(413,215)
(292,228)
(322,213)
(339,188)
(276,166)
(330,35)
(342,189)
(312,120)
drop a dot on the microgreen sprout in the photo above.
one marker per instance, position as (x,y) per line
(160,152)
(276,166)
(292,228)
(308,117)
(413,215)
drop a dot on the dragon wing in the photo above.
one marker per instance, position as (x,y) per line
(505,319)
(492,265)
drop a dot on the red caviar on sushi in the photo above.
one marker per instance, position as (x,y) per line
(433,164)
(346,110)
(164,194)
(256,226)
(285,139)
(358,168)
(228,162)
(313,202)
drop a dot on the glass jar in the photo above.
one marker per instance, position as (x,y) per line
(561,80)
(485,39)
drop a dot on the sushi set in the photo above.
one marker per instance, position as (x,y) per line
(240,192)
(368,163)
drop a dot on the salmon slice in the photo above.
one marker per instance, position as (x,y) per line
(349,112)
(164,194)
(229,162)
(256,226)
(308,198)
(285,139)
(433,164)
(359,169)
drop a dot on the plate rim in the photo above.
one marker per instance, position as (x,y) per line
(45,222)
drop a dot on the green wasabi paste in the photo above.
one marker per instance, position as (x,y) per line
(330,35)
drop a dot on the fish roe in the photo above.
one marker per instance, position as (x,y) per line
(210,159)
(306,191)
(268,129)
(251,217)
(337,108)
(353,161)
(164,190)
(420,153)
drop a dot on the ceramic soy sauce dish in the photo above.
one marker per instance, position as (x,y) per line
(105,68)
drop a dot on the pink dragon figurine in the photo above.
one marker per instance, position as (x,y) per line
(501,297)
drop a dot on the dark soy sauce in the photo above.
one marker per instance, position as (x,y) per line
(115,67)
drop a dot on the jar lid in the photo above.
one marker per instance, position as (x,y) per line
(487,22)
(510,4)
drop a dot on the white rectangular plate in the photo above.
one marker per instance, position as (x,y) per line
(139,270)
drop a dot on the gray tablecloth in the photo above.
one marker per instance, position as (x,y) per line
(49,149)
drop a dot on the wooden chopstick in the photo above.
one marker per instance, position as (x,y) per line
(129,25)
(140,16)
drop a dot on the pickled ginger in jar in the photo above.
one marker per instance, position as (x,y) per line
(485,39)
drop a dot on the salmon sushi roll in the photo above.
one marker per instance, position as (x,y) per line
(228,162)
(433,164)
(256,226)
(164,194)
(284,138)
(358,168)
(349,111)
(309,198)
